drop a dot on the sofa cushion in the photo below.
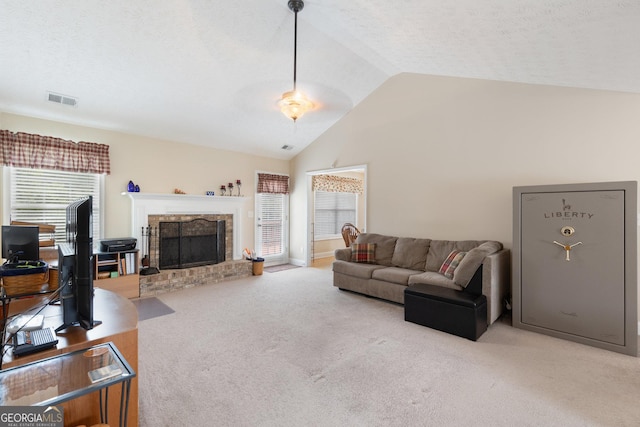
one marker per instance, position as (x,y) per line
(450,263)
(362,271)
(384,246)
(439,250)
(470,263)
(433,278)
(396,275)
(411,253)
(363,252)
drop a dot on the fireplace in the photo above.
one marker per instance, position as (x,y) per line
(148,210)
(147,207)
(184,244)
(190,240)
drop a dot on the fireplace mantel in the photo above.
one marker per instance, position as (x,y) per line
(145,204)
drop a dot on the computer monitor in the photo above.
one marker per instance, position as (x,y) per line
(20,243)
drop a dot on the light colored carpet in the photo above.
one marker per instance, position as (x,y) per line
(289,349)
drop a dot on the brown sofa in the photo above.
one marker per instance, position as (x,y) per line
(402,261)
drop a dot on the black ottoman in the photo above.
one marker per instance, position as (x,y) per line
(456,312)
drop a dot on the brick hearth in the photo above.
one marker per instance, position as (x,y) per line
(147,205)
(173,280)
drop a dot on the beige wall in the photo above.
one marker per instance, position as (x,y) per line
(443,154)
(158,167)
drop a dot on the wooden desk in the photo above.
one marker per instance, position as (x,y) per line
(119,325)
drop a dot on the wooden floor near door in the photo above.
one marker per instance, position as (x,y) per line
(322,262)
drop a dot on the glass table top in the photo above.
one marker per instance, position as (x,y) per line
(64,377)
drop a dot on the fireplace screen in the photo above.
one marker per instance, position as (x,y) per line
(186,244)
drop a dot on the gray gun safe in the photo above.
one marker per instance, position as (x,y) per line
(575,263)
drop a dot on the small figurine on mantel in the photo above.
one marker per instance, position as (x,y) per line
(133,188)
(178,191)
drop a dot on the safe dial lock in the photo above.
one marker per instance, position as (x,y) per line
(567,231)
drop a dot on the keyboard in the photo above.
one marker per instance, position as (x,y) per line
(27,342)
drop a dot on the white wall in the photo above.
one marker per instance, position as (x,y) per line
(157,166)
(443,153)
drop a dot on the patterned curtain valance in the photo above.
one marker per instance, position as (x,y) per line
(44,152)
(274,184)
(337,184)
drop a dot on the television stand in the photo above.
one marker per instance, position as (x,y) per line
(65,325)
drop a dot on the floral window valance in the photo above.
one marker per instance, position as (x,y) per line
(337,184)
(44,152)
(272,183)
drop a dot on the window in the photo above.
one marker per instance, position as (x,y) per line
(42,195)
(332,210)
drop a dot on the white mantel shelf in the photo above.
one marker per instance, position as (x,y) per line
(183,197)
(145,204)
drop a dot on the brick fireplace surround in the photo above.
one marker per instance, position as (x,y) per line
(150,210)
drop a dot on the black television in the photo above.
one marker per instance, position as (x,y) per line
(20,243)
(75,266)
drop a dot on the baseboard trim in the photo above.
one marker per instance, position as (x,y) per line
(323,254)
(298,262)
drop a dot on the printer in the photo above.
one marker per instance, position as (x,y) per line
(118,245)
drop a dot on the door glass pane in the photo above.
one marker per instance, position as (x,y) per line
(271,224)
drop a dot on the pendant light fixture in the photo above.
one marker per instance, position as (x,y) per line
(294,103)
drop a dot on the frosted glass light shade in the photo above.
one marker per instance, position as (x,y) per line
(294,104)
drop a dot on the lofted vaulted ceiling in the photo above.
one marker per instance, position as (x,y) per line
(210,72)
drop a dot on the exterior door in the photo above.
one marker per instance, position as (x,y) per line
(272,225)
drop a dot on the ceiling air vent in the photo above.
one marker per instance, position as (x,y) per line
(62,99)
(287,147)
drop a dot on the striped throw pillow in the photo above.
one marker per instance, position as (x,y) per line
(449,265)
(363,252)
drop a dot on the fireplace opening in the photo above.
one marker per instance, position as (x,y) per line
(184,244)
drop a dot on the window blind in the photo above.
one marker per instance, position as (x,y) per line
(332,210)
(42,195)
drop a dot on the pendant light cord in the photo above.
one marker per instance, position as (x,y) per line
(295,48)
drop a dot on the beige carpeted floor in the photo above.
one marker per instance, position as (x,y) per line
(289,349)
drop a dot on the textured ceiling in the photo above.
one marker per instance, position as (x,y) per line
(210,72)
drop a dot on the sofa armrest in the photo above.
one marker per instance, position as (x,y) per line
(343,254)
(496,281)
